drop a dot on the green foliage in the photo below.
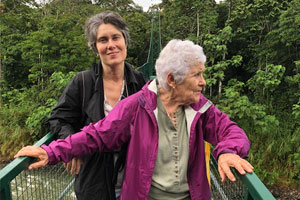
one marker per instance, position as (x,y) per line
(191,20)
(34,123)
(138,24)
(252,117)
(12,122)
(296,112)
(273,142)
(267,79)
(276,149)
(265,82)
(23,113)
(294,84)
(15,24)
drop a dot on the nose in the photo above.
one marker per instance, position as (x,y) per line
(202,81)
(110,44)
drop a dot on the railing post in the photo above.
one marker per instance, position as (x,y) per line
(5,193)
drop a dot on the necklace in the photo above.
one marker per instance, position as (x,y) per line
(173,118)
(126,89)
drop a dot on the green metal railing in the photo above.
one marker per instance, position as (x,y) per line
(50,182)
(54,182)
(247,187)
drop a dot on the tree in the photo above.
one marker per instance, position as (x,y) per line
(187,19)
(265,82)
(251,21)
(17,20)
(139,25)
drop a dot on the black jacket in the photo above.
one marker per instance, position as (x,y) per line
(81,103)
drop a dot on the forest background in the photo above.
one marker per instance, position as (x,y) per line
(253,66)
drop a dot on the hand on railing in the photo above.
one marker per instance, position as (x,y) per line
(227,160)
(74,165)
(37,152)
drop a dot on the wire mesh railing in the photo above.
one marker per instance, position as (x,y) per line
(227,190)
(50,182)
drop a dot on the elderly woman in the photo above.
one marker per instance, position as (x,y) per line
(90,96)
(165,125)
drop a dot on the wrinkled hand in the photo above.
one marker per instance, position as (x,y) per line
(74,165)
(37,152)
(227,160)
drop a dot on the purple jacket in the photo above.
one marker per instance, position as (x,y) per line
(133,120)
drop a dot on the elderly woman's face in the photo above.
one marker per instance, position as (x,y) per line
(190,89)
(111,45)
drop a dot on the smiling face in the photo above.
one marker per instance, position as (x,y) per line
(190,89)
(111,45)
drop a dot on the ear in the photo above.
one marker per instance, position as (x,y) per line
(170,80)
(95,49)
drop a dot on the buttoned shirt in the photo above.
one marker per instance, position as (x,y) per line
(169,180)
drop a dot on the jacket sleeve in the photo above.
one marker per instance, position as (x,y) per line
(224,133)
(66,117)
(106,135)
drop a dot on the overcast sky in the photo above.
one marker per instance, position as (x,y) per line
(146,3)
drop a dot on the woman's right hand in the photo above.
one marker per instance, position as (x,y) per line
(37,152)
(74,165)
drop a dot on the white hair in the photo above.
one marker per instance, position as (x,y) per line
(177,57)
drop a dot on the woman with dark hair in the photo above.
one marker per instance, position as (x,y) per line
(89,97)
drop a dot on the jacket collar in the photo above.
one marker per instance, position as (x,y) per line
(129,75)
(149,95)
(153,86)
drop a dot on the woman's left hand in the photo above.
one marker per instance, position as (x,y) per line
(227,160)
